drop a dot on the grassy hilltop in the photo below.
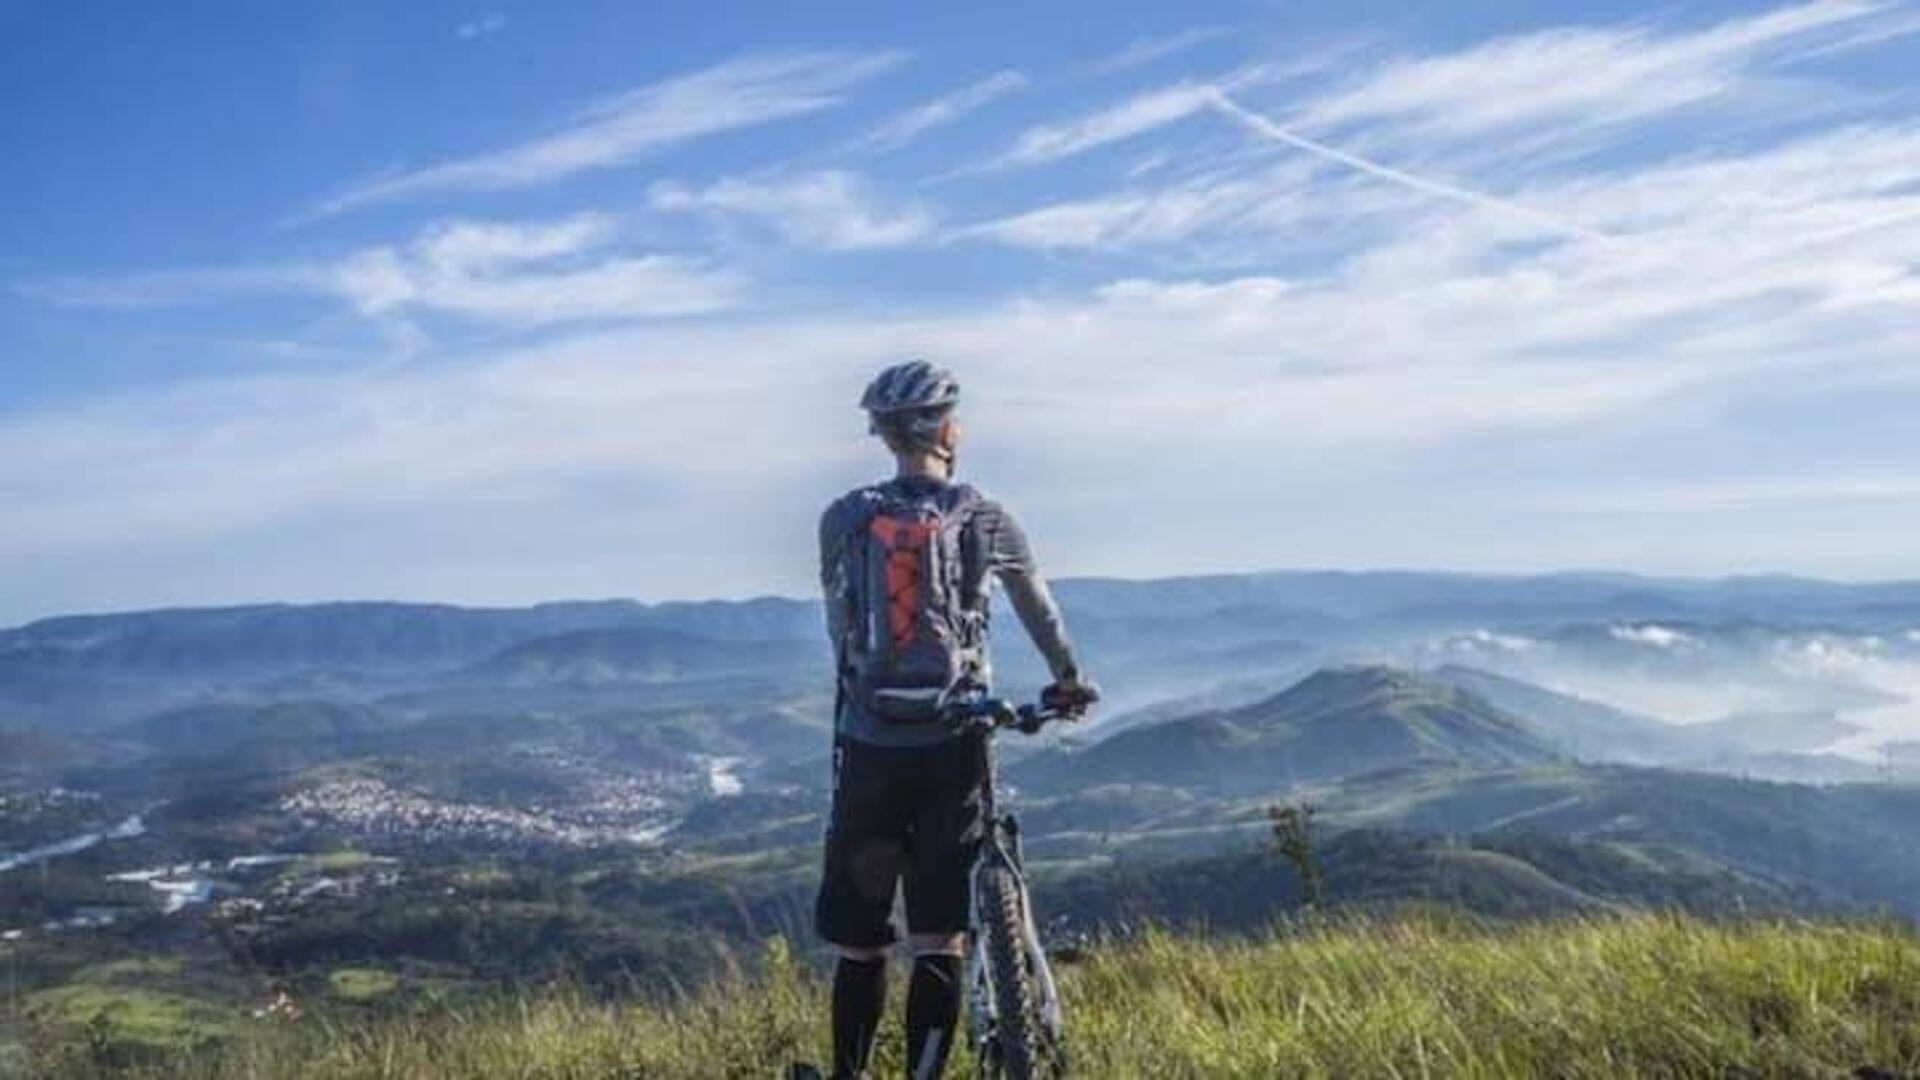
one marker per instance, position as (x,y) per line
(1413,996)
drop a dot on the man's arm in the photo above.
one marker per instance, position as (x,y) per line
(1010,557)
(833,585)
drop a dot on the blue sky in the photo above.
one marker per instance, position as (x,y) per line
(497,302)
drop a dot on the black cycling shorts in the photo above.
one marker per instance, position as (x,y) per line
(908,814)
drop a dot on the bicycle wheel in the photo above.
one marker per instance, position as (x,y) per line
(1018,1049)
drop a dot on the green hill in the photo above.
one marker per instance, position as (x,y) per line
(1336,722)
(1848,844)
(1413,996)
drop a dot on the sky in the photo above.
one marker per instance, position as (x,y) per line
(497,303)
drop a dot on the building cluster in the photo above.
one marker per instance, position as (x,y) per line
(610,813)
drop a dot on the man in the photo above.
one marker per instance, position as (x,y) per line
(908,568)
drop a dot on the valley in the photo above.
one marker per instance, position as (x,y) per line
(368,808)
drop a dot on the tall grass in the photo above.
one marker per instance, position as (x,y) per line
(1411,997)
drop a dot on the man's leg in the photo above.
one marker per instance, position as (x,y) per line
(933,1002)
(859,995)
(948,823)
(865,852)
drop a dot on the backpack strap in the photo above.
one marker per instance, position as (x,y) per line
(859,507)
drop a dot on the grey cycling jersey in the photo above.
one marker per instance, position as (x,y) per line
(1009,560)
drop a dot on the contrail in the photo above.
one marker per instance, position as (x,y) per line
(1271,130)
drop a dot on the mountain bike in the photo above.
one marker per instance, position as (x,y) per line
(1014,1006)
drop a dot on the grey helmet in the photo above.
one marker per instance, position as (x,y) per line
(909,401)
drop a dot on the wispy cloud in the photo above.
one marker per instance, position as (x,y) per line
(524,273)
(518,274)
(1144,51)
(1131,118)
(1136,218)
(1381,284)
(1587,76)
(1453,112)
(1575,79)
(906,126)
(1268,129)
(740,93)
(834,210)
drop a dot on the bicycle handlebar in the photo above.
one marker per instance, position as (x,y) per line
(990,714)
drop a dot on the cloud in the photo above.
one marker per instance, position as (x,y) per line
(1423,354)
(1144,51)
(526,274)
(490,23)
(1584,76)
(1131,118)
(1535,89)
(1268,129)
(739,93)
(1365,389)
(904,127)
(1127,220)
(832,211)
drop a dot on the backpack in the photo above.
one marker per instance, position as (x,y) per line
(915,577)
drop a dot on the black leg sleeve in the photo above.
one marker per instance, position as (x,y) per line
(933,1009)
(859,992)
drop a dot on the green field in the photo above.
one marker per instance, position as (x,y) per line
(1411,996)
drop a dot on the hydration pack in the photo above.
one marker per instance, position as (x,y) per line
(919,619)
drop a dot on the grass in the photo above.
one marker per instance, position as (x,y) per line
(334,862)
(1406,997)
(361,984)
(130,1018)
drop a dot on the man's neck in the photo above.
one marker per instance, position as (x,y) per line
(928,466)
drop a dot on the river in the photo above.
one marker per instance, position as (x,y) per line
(131,827)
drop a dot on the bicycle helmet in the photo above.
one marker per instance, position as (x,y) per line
(908,402)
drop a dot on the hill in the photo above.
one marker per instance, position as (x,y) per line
(1490,876)
(640,654)
(1407,996)
(1848,844)
(1336,722)
(1588,730)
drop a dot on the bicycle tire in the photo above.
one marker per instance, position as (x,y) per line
(1019,1047)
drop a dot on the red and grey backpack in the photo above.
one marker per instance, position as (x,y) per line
(915,583)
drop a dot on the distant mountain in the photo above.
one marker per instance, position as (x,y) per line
(1337,722)
(1588,730)
(1204,612)
(641,654)
(1422,596)
(1850,844)
(1145,639)
(1763,745)
(211,730)
(93,671)
(1783,732)
(30,756)
(263,639)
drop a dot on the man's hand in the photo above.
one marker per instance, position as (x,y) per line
(1071,696)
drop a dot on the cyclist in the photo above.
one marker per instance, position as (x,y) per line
(908,566)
